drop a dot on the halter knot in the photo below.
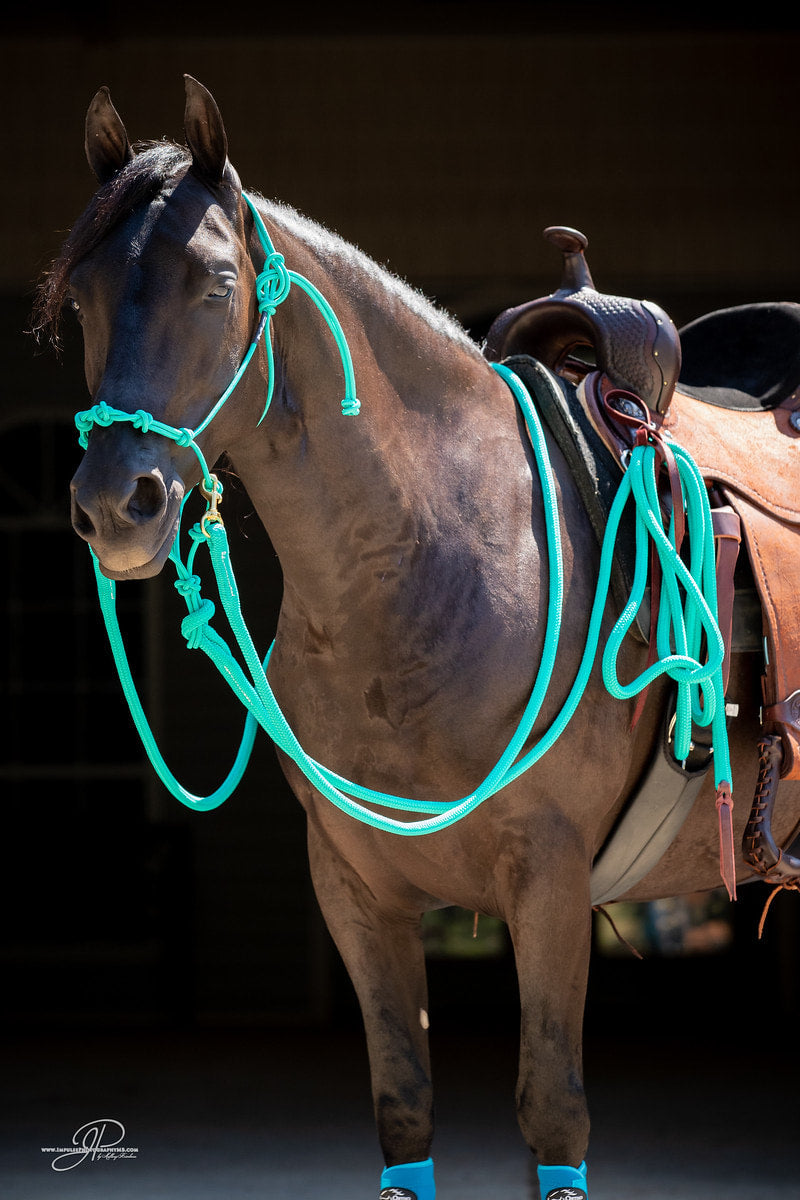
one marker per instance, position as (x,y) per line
(196,534)
(193,625)
(101,414)
(272,284)
(142,420)
(188,586)
(83,423)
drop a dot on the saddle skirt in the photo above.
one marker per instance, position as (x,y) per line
(753,457)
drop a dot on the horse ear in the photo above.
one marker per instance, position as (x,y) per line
(205,132)
(107,147)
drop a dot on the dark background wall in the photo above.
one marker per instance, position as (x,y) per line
(442,140)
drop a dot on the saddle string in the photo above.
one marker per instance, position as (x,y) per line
(679,634)
(623,941)
(792,885)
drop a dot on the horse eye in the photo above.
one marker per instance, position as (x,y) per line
(73,303)
(222,291)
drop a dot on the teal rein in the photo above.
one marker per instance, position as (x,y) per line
(687,626)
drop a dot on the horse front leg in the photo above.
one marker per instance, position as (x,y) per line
(382,951)
(551,934)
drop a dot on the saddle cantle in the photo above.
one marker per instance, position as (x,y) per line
(727,389)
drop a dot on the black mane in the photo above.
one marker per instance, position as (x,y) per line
(158,165)
(155,164)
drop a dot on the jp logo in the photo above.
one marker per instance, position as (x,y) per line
(566,1193)
(95,1140)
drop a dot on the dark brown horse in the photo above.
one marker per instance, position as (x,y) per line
(412,545)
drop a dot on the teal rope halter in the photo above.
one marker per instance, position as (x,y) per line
(273,284)
(685,626)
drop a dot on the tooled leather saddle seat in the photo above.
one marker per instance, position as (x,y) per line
(727,389)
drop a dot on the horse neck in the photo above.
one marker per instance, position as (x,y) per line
(344,496)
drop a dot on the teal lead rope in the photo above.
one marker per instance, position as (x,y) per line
(699,684)
(687,625)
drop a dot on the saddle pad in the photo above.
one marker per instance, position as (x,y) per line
(595,473)
(756,454)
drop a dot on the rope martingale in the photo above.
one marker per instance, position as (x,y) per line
(687,625)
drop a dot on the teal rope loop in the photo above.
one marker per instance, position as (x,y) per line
(688,640)
(276,276)
(273,284)
(680,634)
(107,594)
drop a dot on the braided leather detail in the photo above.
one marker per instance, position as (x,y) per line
(758,845)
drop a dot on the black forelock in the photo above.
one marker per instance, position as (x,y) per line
(153,167)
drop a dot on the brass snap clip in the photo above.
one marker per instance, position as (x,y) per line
(213,495)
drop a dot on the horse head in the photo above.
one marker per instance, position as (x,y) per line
(158,272)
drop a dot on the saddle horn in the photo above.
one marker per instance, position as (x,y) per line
(578,329)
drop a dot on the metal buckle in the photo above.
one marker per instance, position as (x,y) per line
(212,515)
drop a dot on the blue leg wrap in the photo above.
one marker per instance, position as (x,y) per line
(563,1183)
(417,1177)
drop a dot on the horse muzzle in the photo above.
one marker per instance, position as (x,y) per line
(130,519)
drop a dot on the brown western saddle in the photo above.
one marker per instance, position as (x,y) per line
(727,389)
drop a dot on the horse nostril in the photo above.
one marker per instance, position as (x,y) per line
(146,501)
(82,523)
